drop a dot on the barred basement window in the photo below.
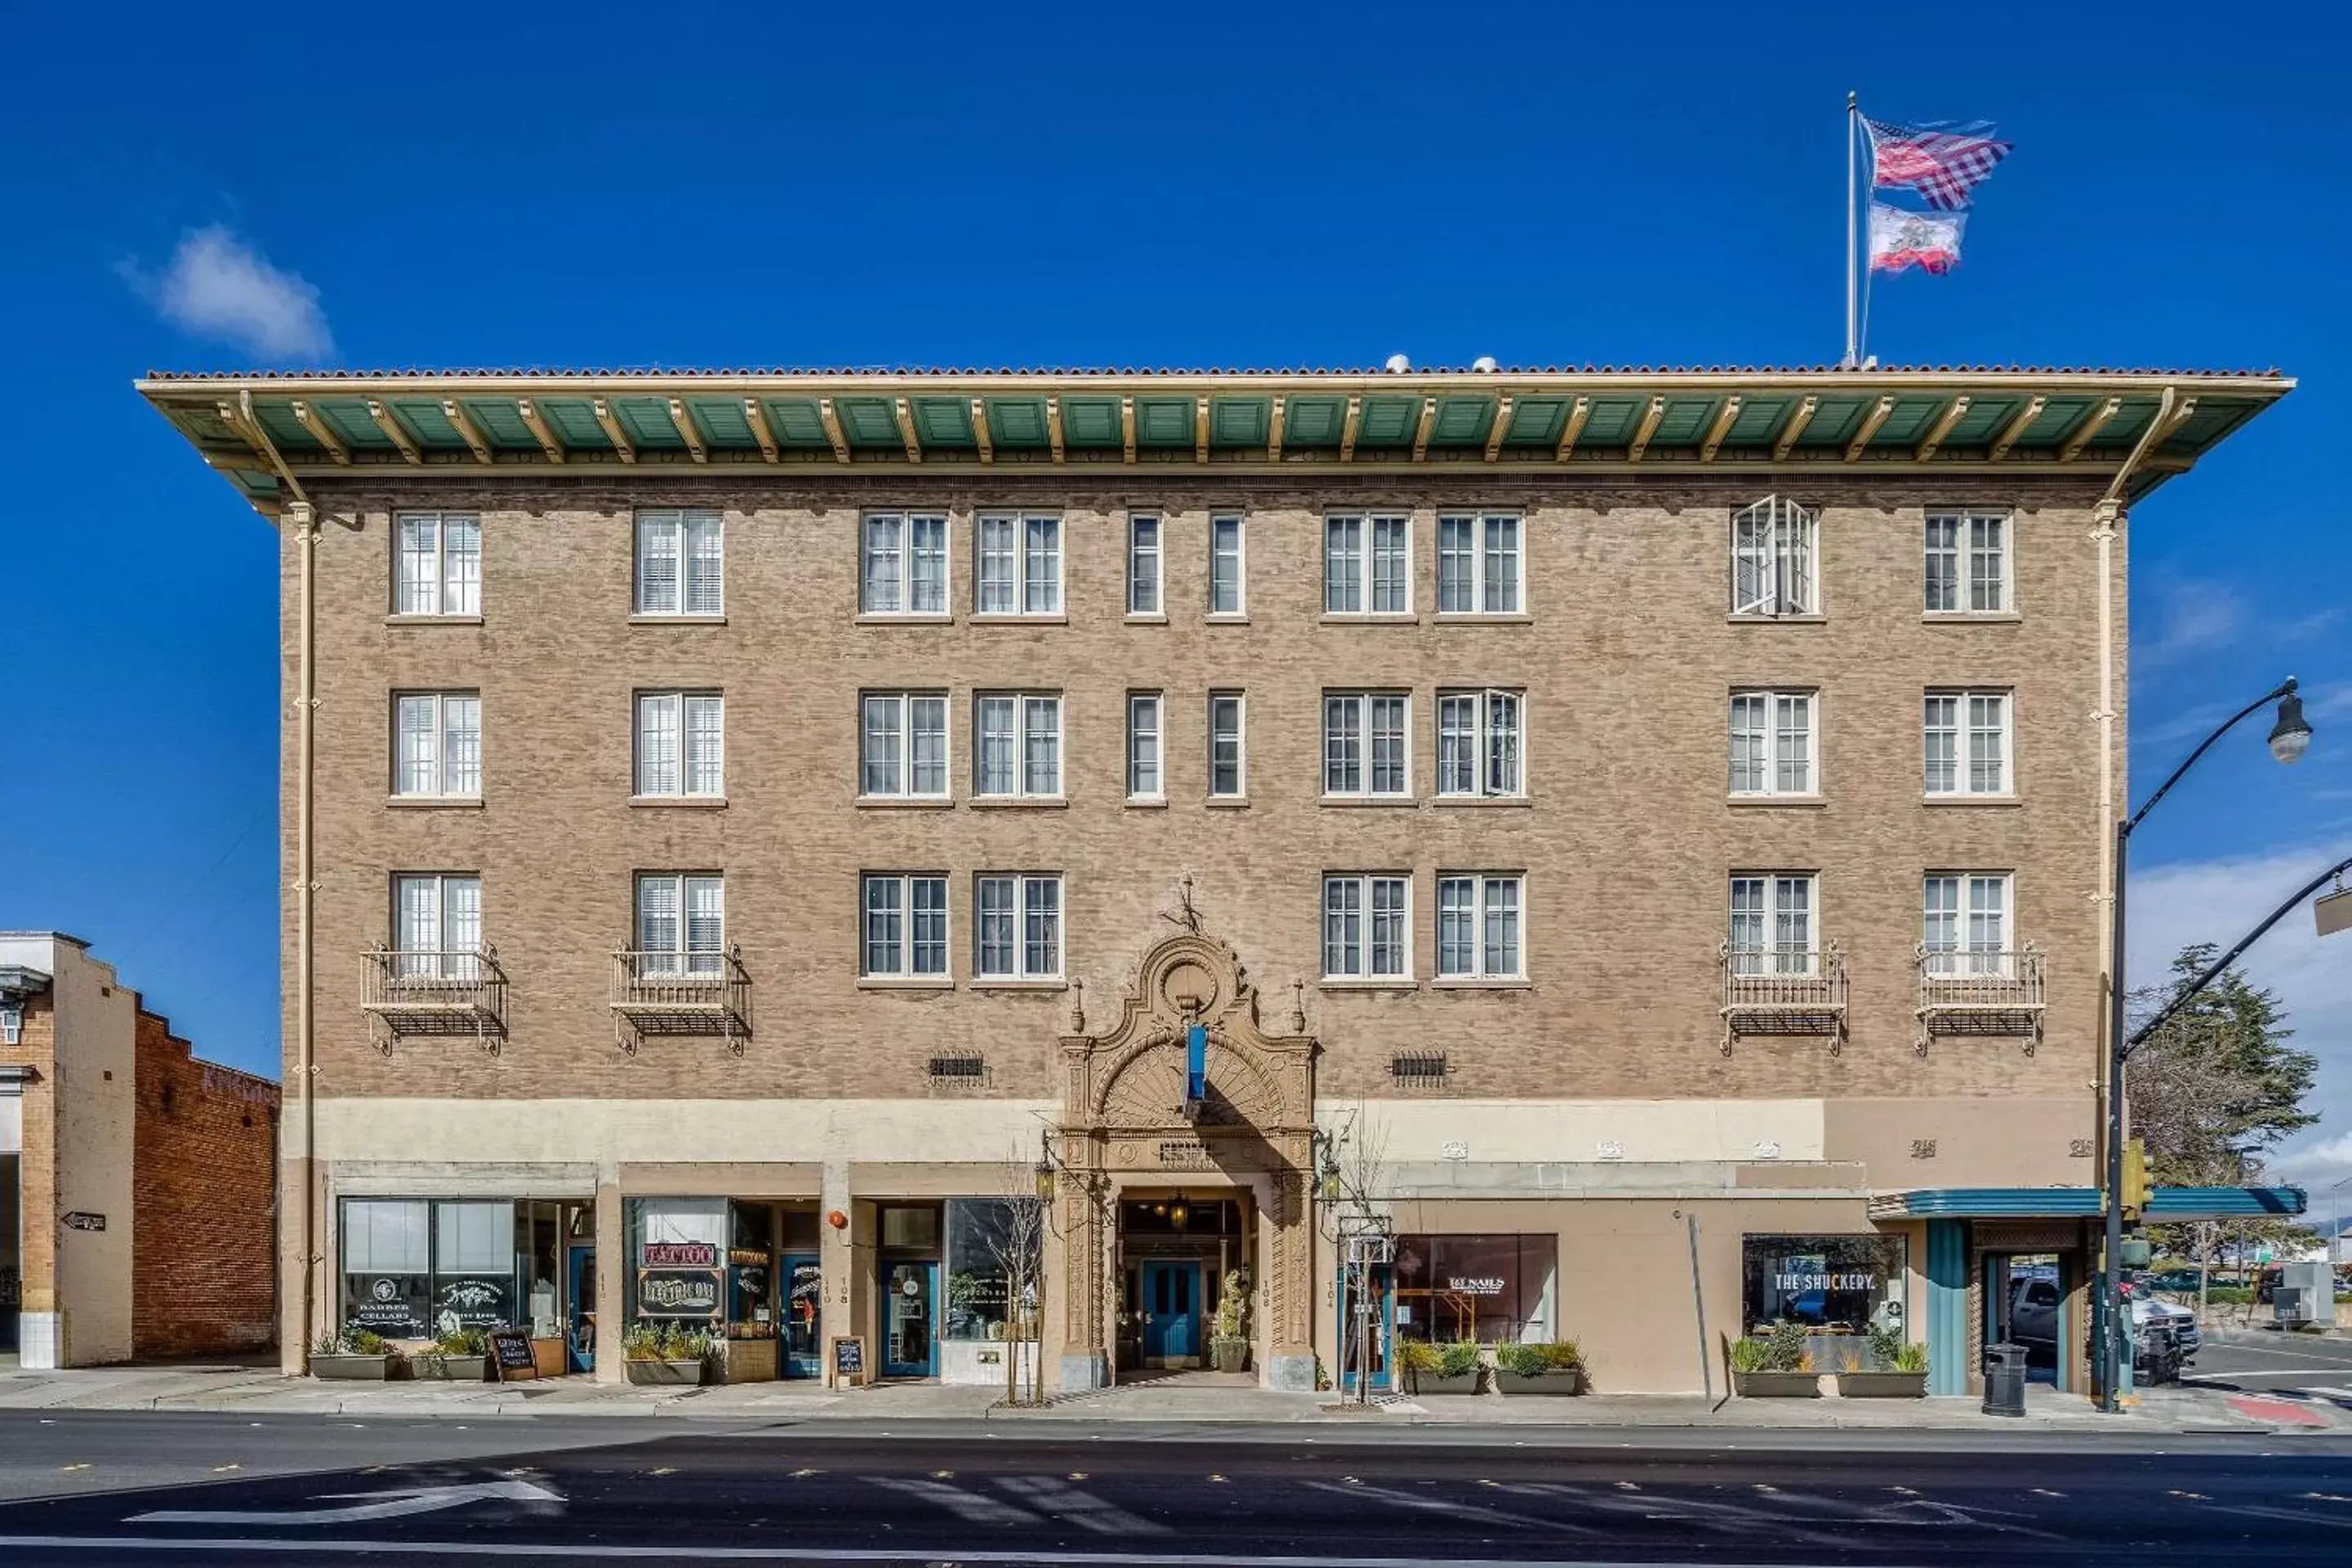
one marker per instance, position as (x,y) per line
(1420,1068)
(958,1067)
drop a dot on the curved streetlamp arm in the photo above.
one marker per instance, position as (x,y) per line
(2181,998)
(2287,689)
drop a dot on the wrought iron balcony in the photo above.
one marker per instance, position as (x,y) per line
(663,993)
(1980,992)
(1783,991)
(407,994)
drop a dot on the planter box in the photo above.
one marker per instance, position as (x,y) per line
(1229,1355)
(1776,1384)
(1433,1383)
(455,1368)
(1564,1380)
(365,1368)
(666,1373)
(1882,1385)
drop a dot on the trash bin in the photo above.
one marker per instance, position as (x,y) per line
(2004,1378)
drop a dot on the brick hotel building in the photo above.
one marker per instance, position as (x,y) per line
(1647,829)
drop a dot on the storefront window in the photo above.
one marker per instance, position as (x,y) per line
(677,1257)
(536,1261)
(1832,1284)
(387,1250)
(1492,1288)
(916,1230)
(473,1265)
(987,1241)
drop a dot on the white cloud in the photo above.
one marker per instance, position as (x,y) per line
(219,286)
(2193,618)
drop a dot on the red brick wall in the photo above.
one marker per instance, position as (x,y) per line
(205,1179)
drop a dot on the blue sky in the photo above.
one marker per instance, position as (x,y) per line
(1051,184)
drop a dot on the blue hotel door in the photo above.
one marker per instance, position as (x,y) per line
(1171,1312)
(910,1310)
(1382,1309)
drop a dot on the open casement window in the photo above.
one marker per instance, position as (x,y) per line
(681,564)
(903,569)
(1964,924)
(1773,743)
(1017,745)
(437,744)
(1478,927)
(1020,564)
(1967,563)
(905,926)
(681,744)
(681,922)
(1966,737)
(436,922)
(1772,930)
(902,745)
(1017,926)
(1367,926)
(1228,746)
(1228,566)
(1143,584)
(440,563)
(1368,564)
(1480,738)
(1478,564)
(1774,568)
(1144,738)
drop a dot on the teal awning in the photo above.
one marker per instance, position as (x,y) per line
(2165,1204)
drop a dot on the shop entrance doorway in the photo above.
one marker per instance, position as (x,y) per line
(2026,1303)
(910,1318)
(582,1267)
(1171,1313)
(804,1301)
(1375,1308)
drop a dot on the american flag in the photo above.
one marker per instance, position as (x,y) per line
(1942,161)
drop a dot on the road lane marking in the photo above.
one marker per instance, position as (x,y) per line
(2264,1350)
(2266,1373)
(1472,1512)
(82,1465)
(973,1508)
(580,1552)
(360,1506)
(2294,1515)
(1084,1510)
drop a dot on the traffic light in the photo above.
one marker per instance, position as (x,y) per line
(2135,1195)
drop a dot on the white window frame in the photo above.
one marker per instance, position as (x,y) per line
(1147,745)
(449,588)
(452,956)
(698,733)
(697,586)
(1484,886)
(1489,594)
(1352,591)
(1776,902)
(1240,702)
(1023,603)
(1363,890)
(1770,747)
(1239,523)
(1776,559)
(1966,554)
(903,886)
(1973,936)
(451,772)
(1964,731)
(1024,909)
(1147,590)
(703,960)
(1362,704)
(1484,739)
(899,584)
(1024,706)
(902,767)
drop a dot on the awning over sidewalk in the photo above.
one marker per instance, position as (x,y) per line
(2165,1204)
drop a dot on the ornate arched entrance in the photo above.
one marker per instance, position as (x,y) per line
(1128,1126)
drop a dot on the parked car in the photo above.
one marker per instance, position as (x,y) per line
(2034,1320)
(2171,1279)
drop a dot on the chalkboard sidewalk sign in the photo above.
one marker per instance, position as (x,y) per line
(849,1361)
(510,1353)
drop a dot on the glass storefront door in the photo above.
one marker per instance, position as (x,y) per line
(910,1319)
(803,1302)
(1379,1313)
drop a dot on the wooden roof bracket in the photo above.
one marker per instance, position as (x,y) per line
(2096,422)
(833,433)
(1502,427)
(322,433)
(1719,429)
(1126,428)
(397,433)
(1348,430)
(467,431)
(1795,428)
(1420,430)
(1577,416)
(2158,428)
(1053,427)
(1648,428)
(980,433)
(610,423)
(1273,432)
(904,416)
(1877,416)
(756,417)
(239,417)
(2017,425)
(1951,415)
(1201,431)
(681,419)
(541,431)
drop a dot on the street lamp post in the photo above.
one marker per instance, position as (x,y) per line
(2289,738)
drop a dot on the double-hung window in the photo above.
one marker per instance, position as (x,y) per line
(1018,745)
(1964,924)
(1772,923)
(1480,736)
(1966,741)
(1228,566)
(1478,918)
(681,744)
(440,563)
(903,745)
(1367,926)
(681,922)
(1228,745)
(1143,581)
(1968,562)
(1478,564)
(437,745)
(1775,570)
(681,563)
(903,568)
(1145,738)
(1773,743)
(1017,927)
(437,920)
(1020,564)
(1366,744)
(905,926)
(1368,564)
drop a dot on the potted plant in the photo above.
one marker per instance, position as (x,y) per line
(1901,1372)
(669,1354)
(1554,1368)
(1229,1336)
(1439,1369)
(354,1352)
(1776,1366)
(458,1355)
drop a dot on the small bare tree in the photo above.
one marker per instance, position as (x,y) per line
(1355,1178)
(1017,1245)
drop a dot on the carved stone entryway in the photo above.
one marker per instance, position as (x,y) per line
(1127,1123)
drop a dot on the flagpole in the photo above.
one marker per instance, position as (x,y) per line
(1852,324)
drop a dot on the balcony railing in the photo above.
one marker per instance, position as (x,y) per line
(453,992)
(1783,991)
(1980,992)
(661,994)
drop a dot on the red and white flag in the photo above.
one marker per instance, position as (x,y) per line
(1943,162)
(1899,239)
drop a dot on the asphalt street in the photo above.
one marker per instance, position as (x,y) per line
(160,1489)
(2277,1365)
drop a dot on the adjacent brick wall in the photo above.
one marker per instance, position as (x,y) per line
(205,1175)
(36,1189)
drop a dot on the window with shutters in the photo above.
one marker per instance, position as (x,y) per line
(1478,931)
(1017,745)
(1967,563)
(1367,745)
(1228,567)
(1228,746)
(1478,564)
(903,564)
(1772,748)
(681,745)
(1367,927)
(1368,564)
(1775,568)
(902,744)
(1966,738)
(681,564)
(436,925)
(681,922)
(1772,930)
(1020,566)
(906,926)
(1017,926)
(1143,584)
(438,563)
(436,745)
(1144,781)
(1481,737)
